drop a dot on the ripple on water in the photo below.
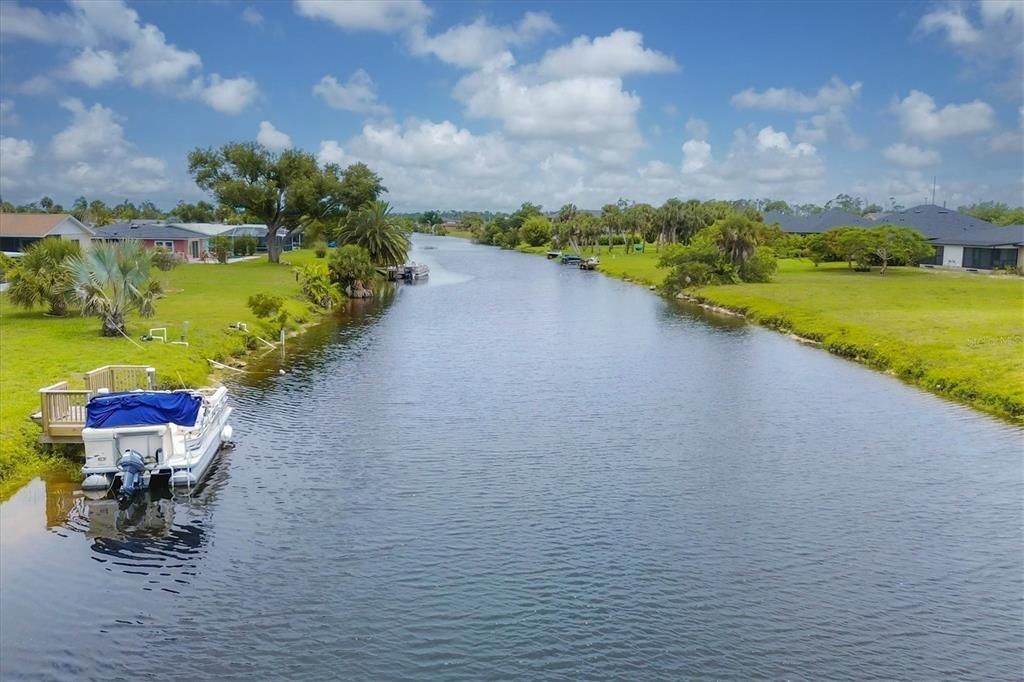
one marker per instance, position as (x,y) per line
(517,471)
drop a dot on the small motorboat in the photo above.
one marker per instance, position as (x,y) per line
(571,259)
(590,263)
(132,438)
(414,271)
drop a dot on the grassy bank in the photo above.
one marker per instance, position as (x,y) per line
(959,335)
(38,350)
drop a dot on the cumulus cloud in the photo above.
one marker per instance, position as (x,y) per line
(920,117)
(113,43)
(330,152)
(272,138)
(909,156)
(835,93)
(618,54)
(226,95)
(990,29)
(37,85)
(579,109)
(94,67)
(93,156)
(15,154)
(470,45)
(767,163)
(359,94)
(385,16)
(252,16)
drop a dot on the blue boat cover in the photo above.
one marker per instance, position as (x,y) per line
(142,409)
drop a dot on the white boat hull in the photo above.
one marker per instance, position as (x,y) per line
(182,454)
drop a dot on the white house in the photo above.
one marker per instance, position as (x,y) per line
(18,230)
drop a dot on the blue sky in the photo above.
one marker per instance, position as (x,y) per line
(484,105)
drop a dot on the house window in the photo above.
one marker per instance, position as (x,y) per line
(989,259)
(169,245)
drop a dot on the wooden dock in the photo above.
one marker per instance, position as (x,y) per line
(63,409)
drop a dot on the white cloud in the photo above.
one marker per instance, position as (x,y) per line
(920,117)
(114,43)
(359,94)
(252,16)
(8,116)
(386,16)
(819,127)
(92,157)
(94,132)
(470,45)
(578,109)
(330,152)
(37,85)
(272,138)
(619,54)
(226,95)
(765,164)
(696,155)
(832,94)
(15,154)
(910,156)
(697,128)
(94,67)
(990,29)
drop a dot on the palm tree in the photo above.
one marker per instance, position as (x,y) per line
(112,280)
(375,229)
(737,238)
(41,276)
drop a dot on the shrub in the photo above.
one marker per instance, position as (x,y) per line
(320,249)
(696,264)
(760,267)
(244,245)
(536,231)
(350,263)
(509,239)
(616,240)
(316,284)
(6,265)
(164,260)
(265,305)
(220,247)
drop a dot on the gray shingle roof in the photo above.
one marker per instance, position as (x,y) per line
(939,225)
(146,231)
(811,224)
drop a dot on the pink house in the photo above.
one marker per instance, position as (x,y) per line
(189,245)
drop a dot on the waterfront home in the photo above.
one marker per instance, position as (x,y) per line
(960,240)
(18,230)
(187,245)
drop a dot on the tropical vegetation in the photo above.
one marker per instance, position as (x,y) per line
(111,280)
(41,276)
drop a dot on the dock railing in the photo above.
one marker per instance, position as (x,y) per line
(63,410)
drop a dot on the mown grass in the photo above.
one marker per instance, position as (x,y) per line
(36,350)
(959,335)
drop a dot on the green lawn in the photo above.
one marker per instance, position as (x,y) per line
(36,350)
(960,335)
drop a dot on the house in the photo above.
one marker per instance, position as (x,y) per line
(18,230)
(188,245)
(960,240)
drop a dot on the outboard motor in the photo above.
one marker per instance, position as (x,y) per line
(132,465)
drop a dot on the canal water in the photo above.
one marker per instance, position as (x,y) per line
(518,470)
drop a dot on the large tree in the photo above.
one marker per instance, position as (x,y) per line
(287,190)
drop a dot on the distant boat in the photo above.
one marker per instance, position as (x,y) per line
(553,255)
(571,259)
(590,263)
(413,271)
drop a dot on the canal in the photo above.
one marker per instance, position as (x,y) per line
(517,470)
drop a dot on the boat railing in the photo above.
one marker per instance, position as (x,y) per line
(116,378)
